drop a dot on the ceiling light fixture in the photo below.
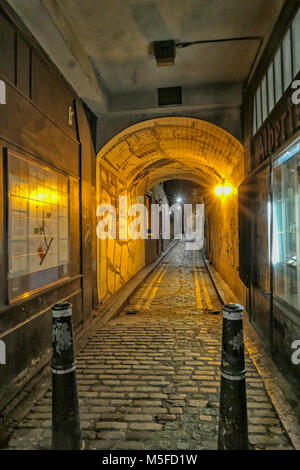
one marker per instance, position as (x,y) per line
(164,52)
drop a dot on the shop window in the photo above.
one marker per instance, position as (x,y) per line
(286,231)
(296,43)
(38,226)
(264,102)
(258,108)
(287,60)
(278,75)
(270,75)
(254,124)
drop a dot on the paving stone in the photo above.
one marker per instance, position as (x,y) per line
(99,445)
(111,435)
(175,410)
(137,417)
(145,426)
(129,445)
(264,439)
(110,425)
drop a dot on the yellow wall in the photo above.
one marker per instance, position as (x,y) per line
(118,260)
(223,233)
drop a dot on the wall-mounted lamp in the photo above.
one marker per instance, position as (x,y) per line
(227,190)
(219,190)
(223,190)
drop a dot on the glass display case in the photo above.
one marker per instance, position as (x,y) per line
(286,227)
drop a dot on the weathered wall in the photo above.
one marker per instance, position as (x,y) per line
(34,123)
(223,236)
(228,119)
(119,260)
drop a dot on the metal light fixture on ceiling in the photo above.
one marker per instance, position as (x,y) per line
(165,51)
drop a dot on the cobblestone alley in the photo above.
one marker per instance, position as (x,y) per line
(150,379)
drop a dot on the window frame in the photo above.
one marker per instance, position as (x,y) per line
(278,159)
(280,76)
(10,299)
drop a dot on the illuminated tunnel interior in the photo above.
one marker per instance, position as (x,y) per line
(155,151)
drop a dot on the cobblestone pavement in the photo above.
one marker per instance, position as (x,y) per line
(150,380)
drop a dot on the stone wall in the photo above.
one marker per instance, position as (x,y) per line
(35,128)
(222,234)
(119,260)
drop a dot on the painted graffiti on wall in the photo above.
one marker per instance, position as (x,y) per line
(120,258)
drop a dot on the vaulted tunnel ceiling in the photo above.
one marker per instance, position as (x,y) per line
(171,148)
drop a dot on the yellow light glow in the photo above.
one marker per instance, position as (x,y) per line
(54,197)
(227,190)
(219,190)
(33,195)
(40,196)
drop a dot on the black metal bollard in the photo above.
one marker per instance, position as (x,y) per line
(233,426)
(66,434)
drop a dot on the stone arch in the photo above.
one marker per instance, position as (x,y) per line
(145,154)
(169,146)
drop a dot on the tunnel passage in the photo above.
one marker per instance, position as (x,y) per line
(153,151)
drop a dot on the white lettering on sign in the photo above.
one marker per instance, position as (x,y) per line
(296,354)
(296,94)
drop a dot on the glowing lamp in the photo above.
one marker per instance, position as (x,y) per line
(227,190)
(219,190)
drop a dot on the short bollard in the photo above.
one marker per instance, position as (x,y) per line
(233,426)
(66,433)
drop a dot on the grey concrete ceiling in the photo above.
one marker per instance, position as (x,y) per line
(109,41)
(118,38)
